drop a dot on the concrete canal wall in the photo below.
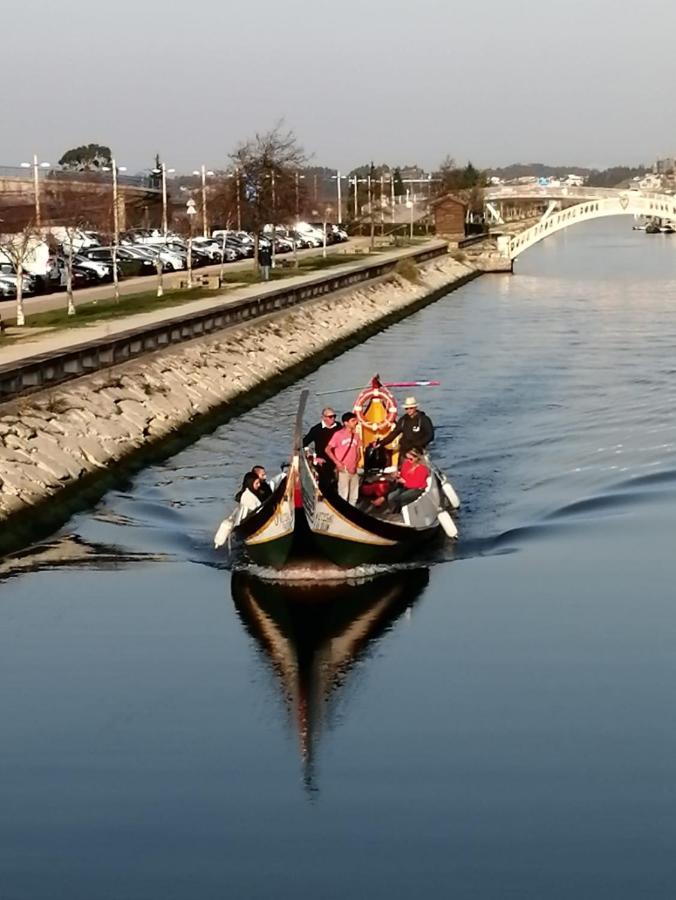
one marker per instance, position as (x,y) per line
(53,441)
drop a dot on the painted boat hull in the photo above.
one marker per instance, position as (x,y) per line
(269,531)
(350,537)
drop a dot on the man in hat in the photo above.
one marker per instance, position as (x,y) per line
(415,428)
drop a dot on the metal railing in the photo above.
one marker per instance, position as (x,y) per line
(146,182)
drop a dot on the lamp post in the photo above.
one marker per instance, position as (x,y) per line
(115,169)
(409,206)
(327,213)
(382,210)
(337,178)
(203,172)
(191,212)
(36,166)
(298,180)
(163,170)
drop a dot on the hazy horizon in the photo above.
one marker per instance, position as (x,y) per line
(495,84)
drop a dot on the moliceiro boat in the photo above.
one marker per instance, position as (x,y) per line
(305,517)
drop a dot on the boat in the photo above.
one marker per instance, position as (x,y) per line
(667,227)
(351,535)
(653,227)
(268,532)
(315,633)
(304,518)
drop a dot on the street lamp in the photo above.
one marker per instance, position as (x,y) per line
(327,213)
(192,212)
(337,178)
(203,172)
(409,206)
(163,170)
(298,180)
(36,166)
(115,169)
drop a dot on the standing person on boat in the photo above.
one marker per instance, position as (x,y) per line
(344,450)
(320,435)
(415,428)
(411,482)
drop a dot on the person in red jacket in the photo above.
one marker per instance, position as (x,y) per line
(411,481)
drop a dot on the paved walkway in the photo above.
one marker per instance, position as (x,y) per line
(54,341)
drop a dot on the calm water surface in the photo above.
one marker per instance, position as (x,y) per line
(498,724)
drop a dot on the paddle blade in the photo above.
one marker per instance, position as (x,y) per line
(223,533)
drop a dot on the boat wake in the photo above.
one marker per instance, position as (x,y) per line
(309,572)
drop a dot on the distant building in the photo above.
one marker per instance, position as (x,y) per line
(574,180)
(450,215)
(665,166)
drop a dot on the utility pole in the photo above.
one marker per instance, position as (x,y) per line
(163,172)
(203,172)
(116,231)
(382,211)
(340,198)
(36,166)
(239,207)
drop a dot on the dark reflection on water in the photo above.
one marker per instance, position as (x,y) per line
(498,725)
(314,637)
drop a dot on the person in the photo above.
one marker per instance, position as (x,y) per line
(411,481)
(264,488)
(247,497)
(319,435)
(344,450)
(415,428)
(265,261)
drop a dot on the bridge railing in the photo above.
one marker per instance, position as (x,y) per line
(22,173)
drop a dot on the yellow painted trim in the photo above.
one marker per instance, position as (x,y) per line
(384,542)
(275,537)
(267,524)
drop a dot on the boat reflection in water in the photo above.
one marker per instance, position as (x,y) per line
(314,633)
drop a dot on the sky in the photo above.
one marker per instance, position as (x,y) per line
(584,82)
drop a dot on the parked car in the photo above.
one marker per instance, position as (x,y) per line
(127,263)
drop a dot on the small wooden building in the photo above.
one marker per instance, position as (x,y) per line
(450,214)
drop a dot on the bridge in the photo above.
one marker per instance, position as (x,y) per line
(595,203)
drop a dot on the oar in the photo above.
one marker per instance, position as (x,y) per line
(224,530)
(388,384)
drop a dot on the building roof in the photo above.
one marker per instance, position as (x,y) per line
(453,198)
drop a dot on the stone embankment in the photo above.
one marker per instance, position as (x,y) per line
(54,440)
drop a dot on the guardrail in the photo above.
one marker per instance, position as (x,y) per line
(47,369)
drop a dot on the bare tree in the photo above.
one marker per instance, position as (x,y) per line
(267,165)
(19,249)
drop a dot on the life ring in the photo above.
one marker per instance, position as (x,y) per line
(363,402)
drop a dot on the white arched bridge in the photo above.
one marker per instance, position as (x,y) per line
(607,203)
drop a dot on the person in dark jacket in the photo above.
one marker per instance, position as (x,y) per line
(265,261)
(319,436)
(415,428)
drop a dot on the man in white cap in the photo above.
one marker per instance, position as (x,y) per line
(415,428)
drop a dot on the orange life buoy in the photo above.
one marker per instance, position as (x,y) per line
(389,405)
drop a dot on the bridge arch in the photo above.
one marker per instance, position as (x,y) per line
(658,205)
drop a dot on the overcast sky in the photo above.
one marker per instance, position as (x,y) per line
(495,81)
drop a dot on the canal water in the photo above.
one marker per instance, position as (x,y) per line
(495,721)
